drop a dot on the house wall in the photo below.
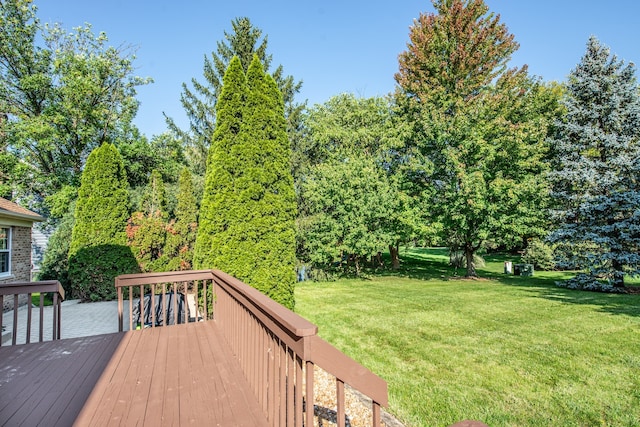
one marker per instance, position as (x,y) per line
(20,261)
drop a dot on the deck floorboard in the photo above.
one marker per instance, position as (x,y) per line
(175,375)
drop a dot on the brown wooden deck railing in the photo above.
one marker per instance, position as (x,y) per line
(276,348)
(20,288)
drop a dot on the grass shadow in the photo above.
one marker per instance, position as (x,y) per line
(433,264)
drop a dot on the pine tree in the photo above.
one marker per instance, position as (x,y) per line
(248,210)
(98,251)
(199,102)
(595,184)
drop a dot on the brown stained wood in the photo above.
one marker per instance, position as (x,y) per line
(340,399)
(253,328)
(309,397)
(51,380)
(29,315)
(186,370)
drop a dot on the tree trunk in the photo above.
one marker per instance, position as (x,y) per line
(618,274)
(395,258)
(471,267)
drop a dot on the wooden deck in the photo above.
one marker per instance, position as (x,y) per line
(251,363)
(175,375)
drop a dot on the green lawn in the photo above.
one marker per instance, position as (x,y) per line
(509,351)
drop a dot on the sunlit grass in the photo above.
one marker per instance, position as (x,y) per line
(509,351)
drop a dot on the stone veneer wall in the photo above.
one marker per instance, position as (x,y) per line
(20,262)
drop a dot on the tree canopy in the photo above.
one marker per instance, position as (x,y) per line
(98,251)
(473,127)
(59,99)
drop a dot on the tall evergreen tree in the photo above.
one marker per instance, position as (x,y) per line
(98,251)
(248,211)
(596,181)
(218,185)
(199,102)
(473,130)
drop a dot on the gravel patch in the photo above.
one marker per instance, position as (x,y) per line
(358,410)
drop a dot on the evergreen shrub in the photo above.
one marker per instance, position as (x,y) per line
(540,254)
(98,250)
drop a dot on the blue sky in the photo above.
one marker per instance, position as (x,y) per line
(332,46)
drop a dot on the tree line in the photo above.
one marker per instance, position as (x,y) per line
(466,152)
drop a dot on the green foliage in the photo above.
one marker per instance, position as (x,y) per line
(60,100)
(479,129)
(55,264)
(349,206)
(540,254)
(181,232)
(199,102)
(93,269)
(353,204)
(505,350)
(595,185)
(248,209)
(146,236)
(154,199)
(98,251)
(457,259)
(164,153)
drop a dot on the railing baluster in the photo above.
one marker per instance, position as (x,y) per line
(59,308)
(142,304)
(376,413)
(276,349)
(340,398)
(290,388)
(15,320)
(272,383)
(131,308)
(298,392)
(309,398)
(282,395)
(153,305)
(28,318)
(27,289)
(54,334)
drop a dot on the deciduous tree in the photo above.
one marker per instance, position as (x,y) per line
(60,99)
(472,128)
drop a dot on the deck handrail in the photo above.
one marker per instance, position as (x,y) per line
(276,348)
(311,349)
(137,281)
(20,288)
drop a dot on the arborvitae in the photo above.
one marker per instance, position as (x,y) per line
(249,210)
(218,184)
(98,251)
(181,233)
(595,183)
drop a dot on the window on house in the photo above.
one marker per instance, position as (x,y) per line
(5,250)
